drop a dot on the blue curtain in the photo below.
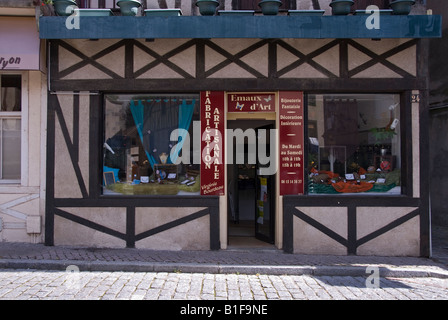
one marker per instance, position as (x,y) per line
(138,115)
(185,117)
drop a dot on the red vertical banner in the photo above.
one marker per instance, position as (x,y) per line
(212,143)
(291,142)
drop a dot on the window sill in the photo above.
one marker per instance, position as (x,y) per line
(396,191)
(12,188)
(10,182)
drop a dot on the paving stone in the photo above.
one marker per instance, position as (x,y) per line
(147,274)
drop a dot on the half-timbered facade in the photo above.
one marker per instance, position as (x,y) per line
(120,86)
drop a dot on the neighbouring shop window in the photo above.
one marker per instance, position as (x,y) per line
(97,4)
(10,127)
(146,135)
(354,144)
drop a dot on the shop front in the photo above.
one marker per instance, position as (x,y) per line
(22,126)
(308,145)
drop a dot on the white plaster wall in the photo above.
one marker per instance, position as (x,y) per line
(67,232)
(257,60)
(403,240)
(309,240)
(193,235)
(66,183)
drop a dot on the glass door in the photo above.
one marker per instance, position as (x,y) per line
(264,194)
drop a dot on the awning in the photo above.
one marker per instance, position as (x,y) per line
(19,44)
(208,27)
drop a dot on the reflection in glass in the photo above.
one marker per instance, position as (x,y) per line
(354,144)
(10,146)
(138,145)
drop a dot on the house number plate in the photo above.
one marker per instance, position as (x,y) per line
(415,98)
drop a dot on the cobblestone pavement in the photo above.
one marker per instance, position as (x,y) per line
(35,271)
(60,285)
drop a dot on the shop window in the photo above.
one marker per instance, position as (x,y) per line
(148,144)
(10,127)
(354,144)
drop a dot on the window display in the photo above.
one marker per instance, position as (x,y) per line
(354,144)
(139,154)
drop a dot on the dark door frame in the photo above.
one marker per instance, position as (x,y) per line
(271,184)
(233,174)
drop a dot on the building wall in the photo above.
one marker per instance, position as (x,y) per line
(252,58)
(438,102)
(72,169)
(191,236)
(406,237)
(310,240)
(188,7)
(439,167)
(235,65)
(22,206)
